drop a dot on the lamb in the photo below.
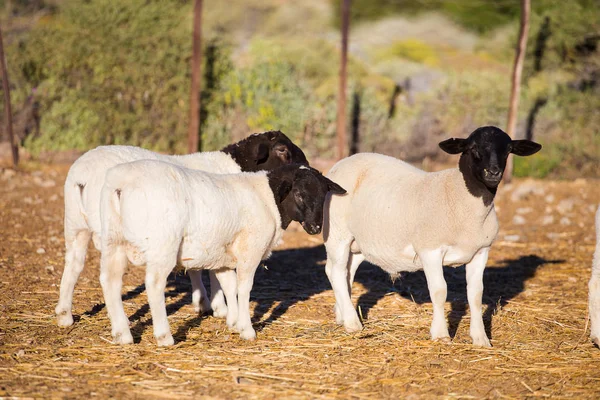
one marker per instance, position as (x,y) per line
(404,219)
(84,182)
(161,214)
(594,287)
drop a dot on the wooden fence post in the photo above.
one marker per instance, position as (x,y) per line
(516,81)
(194,136)
(7,108)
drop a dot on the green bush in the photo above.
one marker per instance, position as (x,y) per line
(109,72)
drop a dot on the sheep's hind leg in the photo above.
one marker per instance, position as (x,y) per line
(434,272)
(112,266)
(199,295)
(474,271)
(156,281)
(76,250)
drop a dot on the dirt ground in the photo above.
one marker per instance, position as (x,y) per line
(535,294)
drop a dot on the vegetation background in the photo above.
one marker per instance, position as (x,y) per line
(89,72)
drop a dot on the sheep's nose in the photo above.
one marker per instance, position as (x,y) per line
(494,172)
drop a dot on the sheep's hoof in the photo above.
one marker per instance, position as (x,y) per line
(353,327)
(122,338)
(482,341)
(338,315)
(64,318)
(231,324)
(202,307)
(219,310)
(596,340)
(165,340)
(248,334)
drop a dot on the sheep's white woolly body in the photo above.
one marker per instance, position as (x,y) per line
(594,287)
(82,214)
(402,219)
(90,169)
(174,215)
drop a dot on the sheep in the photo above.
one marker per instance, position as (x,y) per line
(401,218)
(594,287)
(160,214)
(82,202)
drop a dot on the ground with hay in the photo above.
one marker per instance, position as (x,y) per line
(535,294)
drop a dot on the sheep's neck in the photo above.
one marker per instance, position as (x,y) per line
(475,187)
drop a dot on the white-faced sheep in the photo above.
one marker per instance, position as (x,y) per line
(160,214)
(404,219)
(84,182)
(594,287)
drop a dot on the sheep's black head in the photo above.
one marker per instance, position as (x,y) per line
(300,193)
(265,151)
(485,152)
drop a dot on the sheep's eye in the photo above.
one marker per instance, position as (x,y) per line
(476,154)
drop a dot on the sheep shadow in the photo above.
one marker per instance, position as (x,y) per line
(296,275)
(290,276)
(501,283)
(177,284)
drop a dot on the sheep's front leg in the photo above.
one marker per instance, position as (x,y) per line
(474,293)
(156,281)
(199,295)
(245,279)
(76,246)
(434,272)
(217,300)
(228,282)
(336,269)
(112,266)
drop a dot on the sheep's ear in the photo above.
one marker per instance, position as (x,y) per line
(283,153)
(261,153)
(525,147)
(454,145)
(334,187)
(284,189)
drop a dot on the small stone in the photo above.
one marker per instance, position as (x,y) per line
(512,238)
(519,220)
(20,353)
(547,220)
(41,250)
(565,205)
(565,221)
(524,210)
(527,189)
(50,269)
(8,173)
(45,183)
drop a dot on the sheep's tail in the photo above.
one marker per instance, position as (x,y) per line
(594,287)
